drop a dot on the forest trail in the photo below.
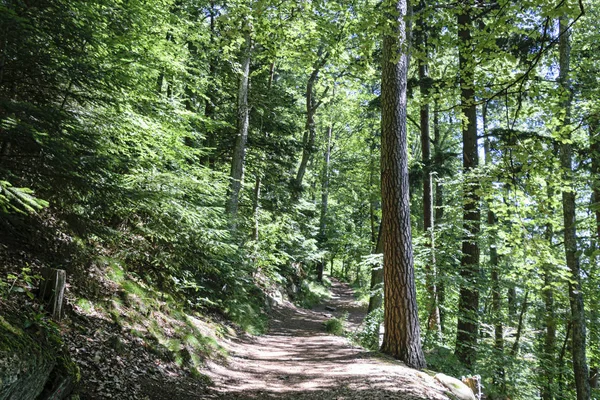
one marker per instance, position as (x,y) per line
(298,359)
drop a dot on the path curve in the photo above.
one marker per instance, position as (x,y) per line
(298,359)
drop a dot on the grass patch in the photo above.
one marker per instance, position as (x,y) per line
(336,326)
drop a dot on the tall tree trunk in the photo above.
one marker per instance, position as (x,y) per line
(209,106)
(308,141)
(468,304)
(258,178)
(402,337)
(439,204)
(549,358)
(580,367)
(433,322)
(324,201)
(239,151)
(594,125)
(499,379)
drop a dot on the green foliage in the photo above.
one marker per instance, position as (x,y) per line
(336,326)
(368,334)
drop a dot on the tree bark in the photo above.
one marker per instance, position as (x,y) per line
(594,131)
(402,337)
(239,151)
(439,204)
(468,304)
(433,322)
(549,358)
(499,379)
(324,201)
(308,141)
(580,367)
(376,286)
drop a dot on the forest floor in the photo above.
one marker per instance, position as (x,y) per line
(298,359)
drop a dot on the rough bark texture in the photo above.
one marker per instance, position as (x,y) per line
(580,367)
(468,304)
(239,151)
(402,337)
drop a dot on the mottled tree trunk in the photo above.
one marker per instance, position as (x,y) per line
(578,343)
(468,304)
(402,337)
(239,150)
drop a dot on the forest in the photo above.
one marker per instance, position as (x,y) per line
(194,167)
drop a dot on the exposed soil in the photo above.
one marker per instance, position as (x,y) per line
(298,359)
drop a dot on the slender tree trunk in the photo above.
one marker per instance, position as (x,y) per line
(468,304)
(258,178)
(439,204)
(376,287)
(324,201)
(308,141)
(402,337)
(580,367)
(520,325)
(209,106)
(239,151)
(499,378)
(549,358)
(594,336)
(433,323)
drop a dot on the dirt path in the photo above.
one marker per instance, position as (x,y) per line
(297,359)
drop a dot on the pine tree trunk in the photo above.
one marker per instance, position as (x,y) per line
(239,151)
(580,367)
(468,304)
(402,337)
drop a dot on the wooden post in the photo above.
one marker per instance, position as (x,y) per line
(52,290)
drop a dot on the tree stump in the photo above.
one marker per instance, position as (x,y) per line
(52,290)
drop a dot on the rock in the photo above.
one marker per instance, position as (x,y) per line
(329,308)
(33,367)
(25,364)
(455,387)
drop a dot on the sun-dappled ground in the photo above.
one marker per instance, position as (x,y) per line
(298,359)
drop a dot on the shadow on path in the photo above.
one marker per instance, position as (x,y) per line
(297,359)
